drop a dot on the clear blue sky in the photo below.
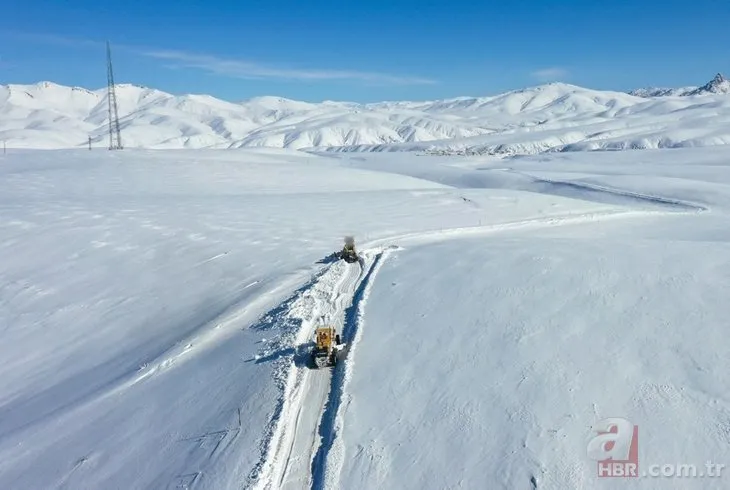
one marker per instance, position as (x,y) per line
(365,51)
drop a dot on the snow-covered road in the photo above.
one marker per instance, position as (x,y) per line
(288,461)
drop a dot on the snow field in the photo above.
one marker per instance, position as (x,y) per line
(154,306)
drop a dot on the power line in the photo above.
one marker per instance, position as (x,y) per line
(115,135)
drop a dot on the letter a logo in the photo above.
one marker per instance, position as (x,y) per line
(616,448)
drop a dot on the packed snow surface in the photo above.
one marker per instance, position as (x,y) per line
(553,117)
(156,311)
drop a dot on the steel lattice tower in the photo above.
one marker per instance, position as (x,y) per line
(115,135)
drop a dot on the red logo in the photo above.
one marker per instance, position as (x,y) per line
(615,448)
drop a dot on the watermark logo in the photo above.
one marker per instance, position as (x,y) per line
(615,448)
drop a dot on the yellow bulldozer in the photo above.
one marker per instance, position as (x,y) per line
(327,346)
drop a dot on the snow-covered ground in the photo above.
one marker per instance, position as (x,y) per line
(551,117)
(484,362)
(156,307)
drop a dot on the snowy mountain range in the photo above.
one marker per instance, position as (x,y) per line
(553,117)
(662,92)
(718,85)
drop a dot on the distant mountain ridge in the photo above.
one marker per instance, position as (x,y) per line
(718,85)
(552,117)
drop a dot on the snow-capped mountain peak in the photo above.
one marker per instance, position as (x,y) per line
(718,85)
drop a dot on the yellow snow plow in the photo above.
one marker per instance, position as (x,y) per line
(327,346)
(348,253)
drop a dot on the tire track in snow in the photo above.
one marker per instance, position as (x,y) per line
(532,223)
(600,193)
